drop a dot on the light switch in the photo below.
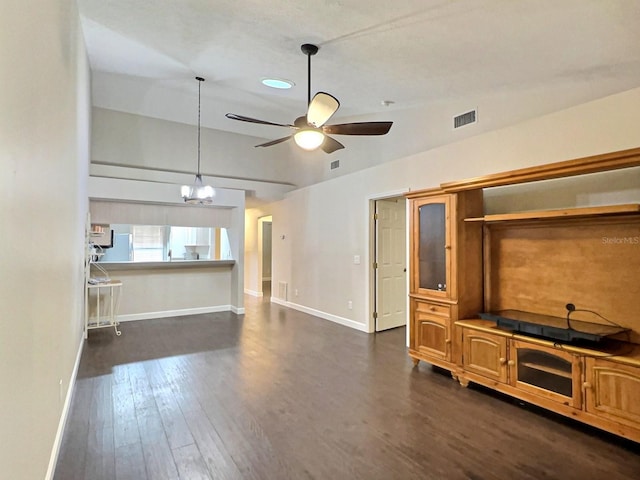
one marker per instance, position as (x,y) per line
(356,259)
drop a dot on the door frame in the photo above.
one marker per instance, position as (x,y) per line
(371,255)
(261,221)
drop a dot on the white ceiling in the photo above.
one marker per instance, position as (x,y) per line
(514,59)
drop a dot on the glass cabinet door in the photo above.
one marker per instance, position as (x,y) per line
(432,272)
(548,372)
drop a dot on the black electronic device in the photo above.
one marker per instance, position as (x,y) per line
(552,328)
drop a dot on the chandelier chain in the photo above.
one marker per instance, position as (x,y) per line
(199,85)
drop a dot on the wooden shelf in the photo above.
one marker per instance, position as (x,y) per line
(568,168)
(632,208)
(546,369)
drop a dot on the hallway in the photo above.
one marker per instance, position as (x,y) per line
(277,394)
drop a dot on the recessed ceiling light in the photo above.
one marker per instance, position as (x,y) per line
(278,83)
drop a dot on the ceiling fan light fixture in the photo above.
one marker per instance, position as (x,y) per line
(198,193)
(312,132)
(309,138)
(279,83)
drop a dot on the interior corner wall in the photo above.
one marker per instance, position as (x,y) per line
(44,158)
(318,229)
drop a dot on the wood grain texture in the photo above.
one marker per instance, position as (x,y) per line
(279,394)
(567,168)
(541,266)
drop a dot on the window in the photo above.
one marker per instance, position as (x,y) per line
(148,242)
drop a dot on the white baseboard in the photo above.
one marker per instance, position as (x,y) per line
(55,451)
(177,313)
(237,310)
(318,313)
(253,293)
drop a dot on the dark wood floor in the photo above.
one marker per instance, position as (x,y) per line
(277,394)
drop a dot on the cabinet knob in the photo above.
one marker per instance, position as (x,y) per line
(448,340)
(447,247)
(503,360)
(586,385)
(433,309)
(511,363)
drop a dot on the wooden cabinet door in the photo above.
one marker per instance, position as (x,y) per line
(432,329)
(612,390)
(485,354)
(545,371)
(431,246)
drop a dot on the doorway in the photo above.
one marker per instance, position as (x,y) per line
(264,255)
(390,263)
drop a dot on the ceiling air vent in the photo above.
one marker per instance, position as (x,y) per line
(464,119)
(335,164)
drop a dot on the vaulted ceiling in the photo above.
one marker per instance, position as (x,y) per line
(510,59)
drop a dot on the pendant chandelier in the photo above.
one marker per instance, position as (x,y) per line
(198,193)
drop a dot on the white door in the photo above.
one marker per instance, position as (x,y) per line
(391,285)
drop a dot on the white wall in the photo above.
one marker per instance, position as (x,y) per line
(229,160)
(324,225)
(44,156)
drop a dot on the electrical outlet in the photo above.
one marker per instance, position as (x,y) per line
(61,393)
(295,292)
(350,304)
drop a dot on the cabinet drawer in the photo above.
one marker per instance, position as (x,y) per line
(432,309)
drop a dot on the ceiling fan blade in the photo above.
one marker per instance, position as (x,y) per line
(359,128)
(274,142)
(321,109)
(242,118)
(330,145)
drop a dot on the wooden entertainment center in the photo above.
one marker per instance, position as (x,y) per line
(574,264)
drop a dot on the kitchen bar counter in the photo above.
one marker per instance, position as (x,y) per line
(110,266)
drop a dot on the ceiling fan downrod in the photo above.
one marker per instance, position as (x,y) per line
(309,49)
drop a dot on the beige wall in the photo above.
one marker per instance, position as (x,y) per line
(125,145)
(44,154)
(324,225)
(163,292)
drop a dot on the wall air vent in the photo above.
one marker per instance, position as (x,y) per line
(464,119)
(335,164)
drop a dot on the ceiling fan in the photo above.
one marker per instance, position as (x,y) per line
(311,130)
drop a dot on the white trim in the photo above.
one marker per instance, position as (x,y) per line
(390,194)
(55,451)
(370,256)
(177,313)
(253,293)
(237,310)
(326,316)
